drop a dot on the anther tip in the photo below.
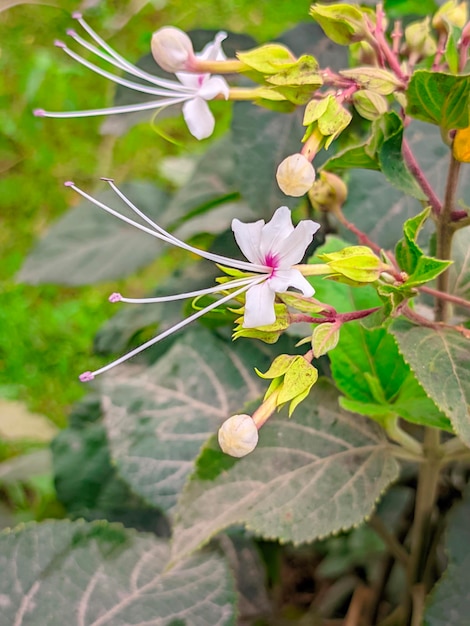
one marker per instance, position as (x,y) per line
(115,297)
(86,377)
(77,15)
(107,180)
(71,32)
(69,183)
(59,44)
(39,113)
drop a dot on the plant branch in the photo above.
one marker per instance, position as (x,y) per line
(445,296)
(389,539)
(420,177)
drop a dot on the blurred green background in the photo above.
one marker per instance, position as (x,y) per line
(46,331)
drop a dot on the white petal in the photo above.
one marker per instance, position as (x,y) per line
(212,86)
(248,237)
(199,118)
(259,306)
(283,279)
(213,50)
(275,232)
(191,81)
(292,249)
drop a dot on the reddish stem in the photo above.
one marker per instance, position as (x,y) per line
(421,179)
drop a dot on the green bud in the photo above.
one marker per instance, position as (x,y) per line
(344,24)
(369,105)
(356,263)
(269,59)
(450,14)
(419,40)
(328,193)
(303,72)
(325,337)
(374,79)
(292,378)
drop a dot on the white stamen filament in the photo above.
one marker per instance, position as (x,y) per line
(162,234)
(116,79)
(87,376)
(191,294)
(125,66)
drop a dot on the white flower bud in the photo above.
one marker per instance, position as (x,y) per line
(295,175)
(238,436)
(172,49)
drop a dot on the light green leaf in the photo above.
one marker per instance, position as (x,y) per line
(310,476)
(407,250)
(356,157)
(449,602)
(440,360)
(157,419)
(87,245)
(100,574)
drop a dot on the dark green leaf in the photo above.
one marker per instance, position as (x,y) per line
(158,419)
(101,574)
(356,157)
(440,360)
(439,98)
(87,245)
(391,158)
(310,476)
(449,602)
(261,140)
(404,8)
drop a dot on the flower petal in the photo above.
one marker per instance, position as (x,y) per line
(276,230)
(213,50)
(259,306)
(292,249)
(198,118)
(283,279)
(211,87)
(248,237)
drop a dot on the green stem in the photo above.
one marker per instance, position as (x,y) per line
(400,436)
(389,539)
(429,472)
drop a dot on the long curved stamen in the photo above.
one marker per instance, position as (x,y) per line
(117,79)
(242,265)
(125,65)
(116,297)
(129,108)
(87,376)
(155,80)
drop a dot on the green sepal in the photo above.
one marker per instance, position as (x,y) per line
(356,263)
(374,79)
(269,333)
(331,118)
(303,72)
(278,367)
(325,337)
(300,377)
(268,59)
(342,23)
(300,303)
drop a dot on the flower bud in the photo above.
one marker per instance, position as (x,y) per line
(419,39)
(369,105)
(172,49)
(295,175)
(328,193)
(450,14)
(238,436)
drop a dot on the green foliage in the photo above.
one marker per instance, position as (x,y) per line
(439,355)
(334,466)
(438,98)
(100,572)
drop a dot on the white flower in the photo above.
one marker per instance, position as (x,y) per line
(191,90)
(271,249)
(295,175)
(238,436)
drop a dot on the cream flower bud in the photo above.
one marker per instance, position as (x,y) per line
(238,436)
(295,175)
(172,49)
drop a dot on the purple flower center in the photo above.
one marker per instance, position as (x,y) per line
(271,261)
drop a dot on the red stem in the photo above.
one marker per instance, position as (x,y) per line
(421,179)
